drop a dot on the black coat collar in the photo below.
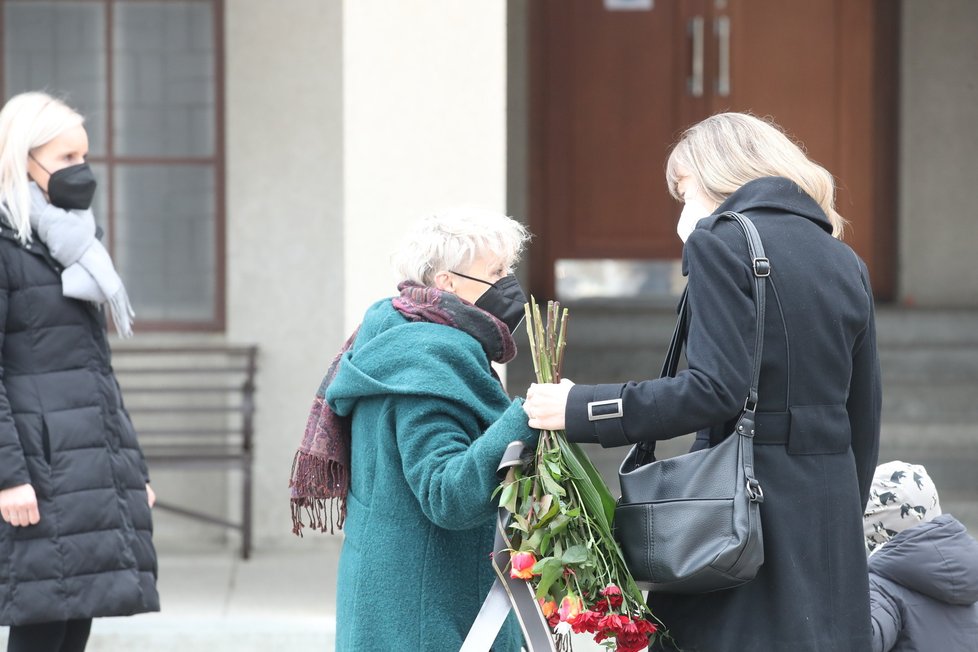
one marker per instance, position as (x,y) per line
(36,246)
(769,193)
(776,193)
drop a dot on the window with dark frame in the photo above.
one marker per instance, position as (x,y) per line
(148,77)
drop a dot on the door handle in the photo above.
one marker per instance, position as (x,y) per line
(721,27)
(694,83)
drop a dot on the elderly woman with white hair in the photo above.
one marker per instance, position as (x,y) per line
(406,433)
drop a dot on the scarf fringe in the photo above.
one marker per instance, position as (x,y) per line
(319,488)
(122,312)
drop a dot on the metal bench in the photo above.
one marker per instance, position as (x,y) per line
(193,408)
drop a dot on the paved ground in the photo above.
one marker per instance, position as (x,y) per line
(281,599)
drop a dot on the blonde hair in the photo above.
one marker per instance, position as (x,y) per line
(27,121)
(727,150)
(453,239)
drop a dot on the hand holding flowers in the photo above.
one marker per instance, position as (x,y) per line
(560,528)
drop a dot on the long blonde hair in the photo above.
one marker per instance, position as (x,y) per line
(727,150)
(27,121)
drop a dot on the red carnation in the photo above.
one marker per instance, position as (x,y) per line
(630,626)
(612,622)
(632,642)
(645,627)
(587,622)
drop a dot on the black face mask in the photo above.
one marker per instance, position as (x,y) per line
(71,188)
(504,300)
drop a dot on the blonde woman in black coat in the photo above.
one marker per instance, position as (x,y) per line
(818,422)
(75,525)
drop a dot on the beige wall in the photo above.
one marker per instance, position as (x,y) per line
(285,221)
(939,141)
(424,124)
(344,121)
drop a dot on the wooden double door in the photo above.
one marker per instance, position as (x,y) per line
(610,92)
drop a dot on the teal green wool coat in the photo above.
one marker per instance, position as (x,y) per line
(430,424)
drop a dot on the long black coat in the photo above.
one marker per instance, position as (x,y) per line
(818,431)
(64,430)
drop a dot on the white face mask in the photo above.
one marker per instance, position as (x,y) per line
(695,209)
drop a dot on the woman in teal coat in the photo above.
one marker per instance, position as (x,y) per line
(429,421)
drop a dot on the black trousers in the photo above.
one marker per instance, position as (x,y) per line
(61,636)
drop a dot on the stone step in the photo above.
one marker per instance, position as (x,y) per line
(928,364)
(937,402)
(913,328)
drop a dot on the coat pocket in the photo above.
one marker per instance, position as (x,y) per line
(45,441)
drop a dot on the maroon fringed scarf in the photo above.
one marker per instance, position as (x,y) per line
(321,467)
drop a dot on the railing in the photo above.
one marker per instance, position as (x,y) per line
(193,408)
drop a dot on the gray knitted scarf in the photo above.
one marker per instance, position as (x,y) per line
(88,273)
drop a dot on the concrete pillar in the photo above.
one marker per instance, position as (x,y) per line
(345,121)
(424,100)
(285,275)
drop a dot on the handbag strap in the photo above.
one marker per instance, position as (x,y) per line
(671,364)
(761,268)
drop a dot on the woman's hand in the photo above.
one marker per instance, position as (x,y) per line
(150,495)
(545,404)
(18,506)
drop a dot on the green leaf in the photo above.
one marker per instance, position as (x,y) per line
(508,498)
(575,555)
(520,523)
(598,501)
(539,540)
(553,511)
(555,469)
(559,524)
(550,571)
(551,486)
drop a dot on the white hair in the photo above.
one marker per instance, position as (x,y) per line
(452,239)
(27,121)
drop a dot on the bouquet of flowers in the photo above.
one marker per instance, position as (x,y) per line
(560,530)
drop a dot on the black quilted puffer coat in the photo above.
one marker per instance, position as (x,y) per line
(64,430)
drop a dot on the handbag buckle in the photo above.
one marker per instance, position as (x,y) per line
(754,491)
(762,267)
(617,414)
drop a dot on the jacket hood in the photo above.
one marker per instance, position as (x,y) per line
(394,356)
(938,558)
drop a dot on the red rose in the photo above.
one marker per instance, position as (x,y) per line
(570,608)
(549,607)
(522,565)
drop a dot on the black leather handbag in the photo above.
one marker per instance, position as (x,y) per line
(692,523)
